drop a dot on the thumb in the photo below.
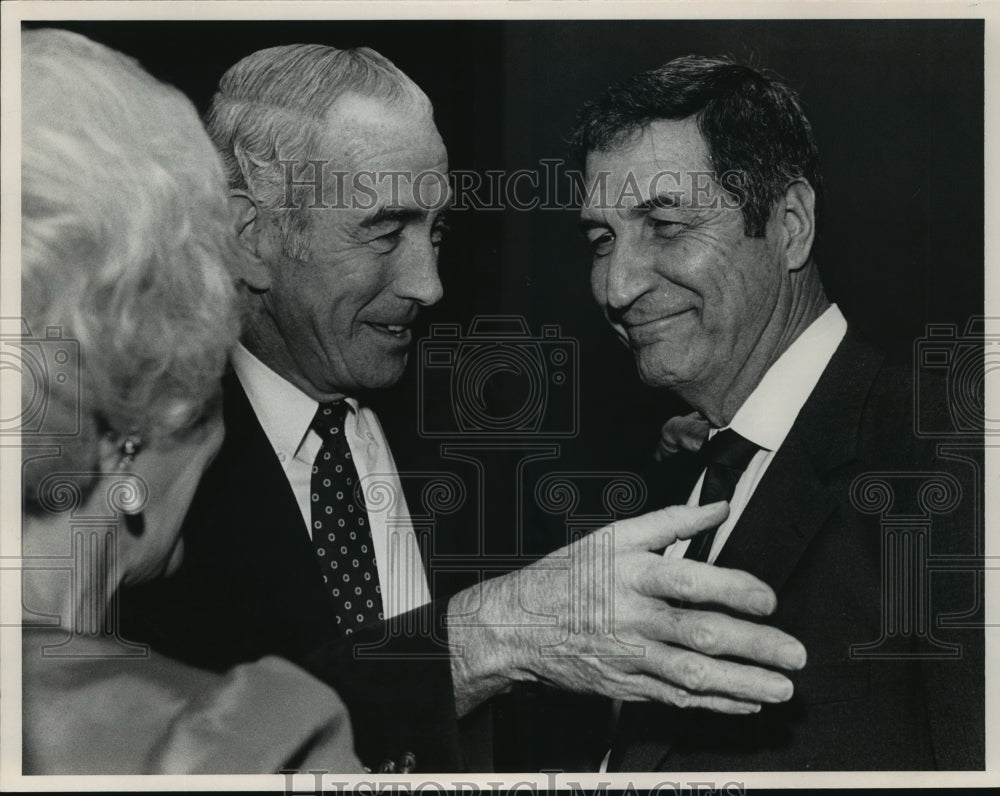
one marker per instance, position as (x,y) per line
(657,529)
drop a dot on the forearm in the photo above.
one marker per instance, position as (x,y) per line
(488,648)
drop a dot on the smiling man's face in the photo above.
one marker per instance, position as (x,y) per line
(672,268)
(339,322)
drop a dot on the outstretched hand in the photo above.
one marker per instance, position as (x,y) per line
(595,617)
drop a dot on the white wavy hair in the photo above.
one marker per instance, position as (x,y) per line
(124,239)
(269,107)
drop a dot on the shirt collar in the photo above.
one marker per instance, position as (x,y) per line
(768,413)
(283,410)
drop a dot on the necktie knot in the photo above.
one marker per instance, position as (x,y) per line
(725,456)
(329,419)
(728,449)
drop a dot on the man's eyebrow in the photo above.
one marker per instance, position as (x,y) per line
(662,201)
(587,224)
(393,214)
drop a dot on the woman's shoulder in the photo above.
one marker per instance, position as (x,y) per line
(154,715)
(263,715)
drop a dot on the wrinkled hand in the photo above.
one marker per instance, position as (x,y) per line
(681,432)
(593,617)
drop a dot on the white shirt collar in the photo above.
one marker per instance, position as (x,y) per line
(284,411)
(768,413)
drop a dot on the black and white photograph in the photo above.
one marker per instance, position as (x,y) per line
(497,397)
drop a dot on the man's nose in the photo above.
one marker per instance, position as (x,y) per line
(628,275)
(419,280)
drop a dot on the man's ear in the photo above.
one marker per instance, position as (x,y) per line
(798,219)
(249,228)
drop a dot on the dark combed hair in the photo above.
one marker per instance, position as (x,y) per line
(753,125)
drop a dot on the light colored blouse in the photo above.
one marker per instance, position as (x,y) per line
(154,715)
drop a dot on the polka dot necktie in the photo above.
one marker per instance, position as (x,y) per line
(341,533)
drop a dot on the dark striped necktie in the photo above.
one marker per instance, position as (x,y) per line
(726,457)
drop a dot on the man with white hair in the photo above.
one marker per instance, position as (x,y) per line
(338,179)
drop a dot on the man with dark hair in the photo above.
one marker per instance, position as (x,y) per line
(734,105)
(704,184)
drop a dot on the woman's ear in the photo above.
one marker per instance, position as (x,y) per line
(249,229)
(109,453)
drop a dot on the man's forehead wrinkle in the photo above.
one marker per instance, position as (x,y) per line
(647,147)
(368,117)
(389,168)
(360,143)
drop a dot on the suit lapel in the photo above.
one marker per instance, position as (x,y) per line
(252,466)
(266,534)
(775,530)
(792,502)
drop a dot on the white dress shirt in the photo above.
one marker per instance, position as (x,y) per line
(768,413)
(285,413)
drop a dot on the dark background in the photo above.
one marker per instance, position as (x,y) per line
(897,109)
(896,105)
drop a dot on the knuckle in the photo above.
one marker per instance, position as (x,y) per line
(682,699)
(685,582)
(662,623)
(704,637)
(694,675)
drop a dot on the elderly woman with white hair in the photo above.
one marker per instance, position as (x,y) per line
(130,314)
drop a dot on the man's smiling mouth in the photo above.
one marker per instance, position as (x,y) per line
(398,331)
(653,330)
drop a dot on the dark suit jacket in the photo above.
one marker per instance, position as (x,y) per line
(249,586)
(824,553)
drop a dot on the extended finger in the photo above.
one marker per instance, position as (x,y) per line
(701,674)
(650,689)
(698,582)
(663,527)
(717,634)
